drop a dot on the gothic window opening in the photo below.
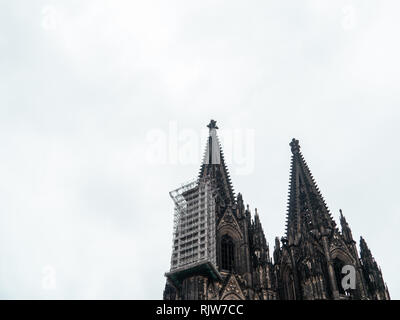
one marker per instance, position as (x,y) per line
(227,253)
(289,286)
(338,265)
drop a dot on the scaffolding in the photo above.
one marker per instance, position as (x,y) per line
(194,237)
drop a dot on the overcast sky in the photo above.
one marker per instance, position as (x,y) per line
(103,108)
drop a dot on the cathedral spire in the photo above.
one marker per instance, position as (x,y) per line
(307,209)
(213,165)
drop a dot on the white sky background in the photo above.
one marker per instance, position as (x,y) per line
(85,85)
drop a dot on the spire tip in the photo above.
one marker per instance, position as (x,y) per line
(295,146)
(212,125)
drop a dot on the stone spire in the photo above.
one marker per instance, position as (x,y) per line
(307,210)
(214,165)
(346,231)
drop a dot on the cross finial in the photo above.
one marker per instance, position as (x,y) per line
(212,125)
(342,217)
(295,146)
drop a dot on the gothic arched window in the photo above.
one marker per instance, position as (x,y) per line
(288,285)
(337,266)
(227,253)
(348,292)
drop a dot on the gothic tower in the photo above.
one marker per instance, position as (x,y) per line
(220,250)
(310,264)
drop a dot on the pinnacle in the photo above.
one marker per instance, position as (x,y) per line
(295,146)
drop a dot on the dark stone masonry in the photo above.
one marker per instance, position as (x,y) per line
(307,262)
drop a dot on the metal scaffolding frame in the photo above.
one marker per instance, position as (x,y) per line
(194,238)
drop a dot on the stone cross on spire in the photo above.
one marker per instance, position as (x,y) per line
(212,125)
(295,146)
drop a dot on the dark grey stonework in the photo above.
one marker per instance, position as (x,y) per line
(307,262)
